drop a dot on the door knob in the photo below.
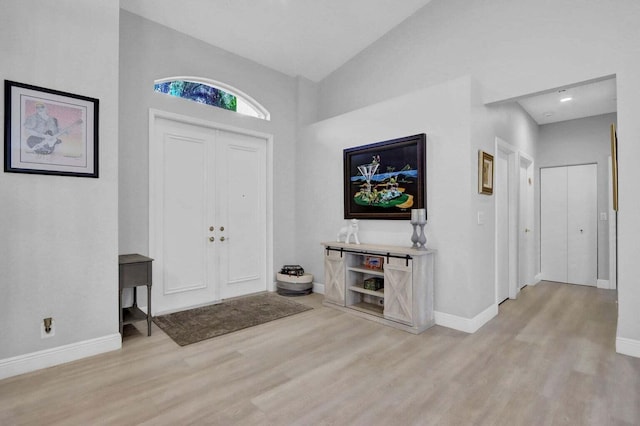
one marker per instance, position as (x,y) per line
(222,228)
(527,230)
(221,238)
(581,231)
(212,239)
(211,228)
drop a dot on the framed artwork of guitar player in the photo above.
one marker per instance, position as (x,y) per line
(49,132)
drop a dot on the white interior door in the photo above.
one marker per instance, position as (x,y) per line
(207,214)
(582,224)
(501,191)
(525,229)
(506,221)
(568,222)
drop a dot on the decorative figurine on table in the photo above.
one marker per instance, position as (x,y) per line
(348,231)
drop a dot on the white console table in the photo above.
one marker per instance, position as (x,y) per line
(405,302)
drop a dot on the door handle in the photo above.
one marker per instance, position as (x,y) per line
(212,239)
(221,238)
(527,230)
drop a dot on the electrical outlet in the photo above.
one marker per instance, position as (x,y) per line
(43,330)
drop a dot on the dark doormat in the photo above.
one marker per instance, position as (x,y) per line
(198,324)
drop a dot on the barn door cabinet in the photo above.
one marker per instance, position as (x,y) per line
(405,301)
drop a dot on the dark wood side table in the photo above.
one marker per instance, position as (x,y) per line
(134,271)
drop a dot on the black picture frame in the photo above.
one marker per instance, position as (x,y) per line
(49,132)
(397,185)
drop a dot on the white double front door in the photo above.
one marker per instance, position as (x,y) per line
(207,214)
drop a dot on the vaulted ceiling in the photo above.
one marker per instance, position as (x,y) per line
(310,38)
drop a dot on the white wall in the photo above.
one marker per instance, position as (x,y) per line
(149,51)
(511,48)
(443,113)
(628,91)
(58,245)
(307,102)
(582,141)
(512,124)
(514,49)
(457,125)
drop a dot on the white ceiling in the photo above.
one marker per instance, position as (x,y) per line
(310,38)
(587,99)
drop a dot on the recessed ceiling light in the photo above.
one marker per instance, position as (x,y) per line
(567,99)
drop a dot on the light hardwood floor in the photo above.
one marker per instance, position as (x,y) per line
(547,358)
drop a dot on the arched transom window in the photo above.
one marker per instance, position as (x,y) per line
(212,93)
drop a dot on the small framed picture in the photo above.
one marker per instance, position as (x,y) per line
(485,173)
(50,132)
(373,262)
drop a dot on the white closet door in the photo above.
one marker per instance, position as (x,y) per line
(568,224)
(553,223)
(582,225)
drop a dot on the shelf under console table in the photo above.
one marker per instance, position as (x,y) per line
(405,301)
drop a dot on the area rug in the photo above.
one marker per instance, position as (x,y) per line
(198,324)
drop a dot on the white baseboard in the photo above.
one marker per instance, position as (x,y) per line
(49,357)
(468,325)
(318,288)
(536,279)
(629,347)
(604,284)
